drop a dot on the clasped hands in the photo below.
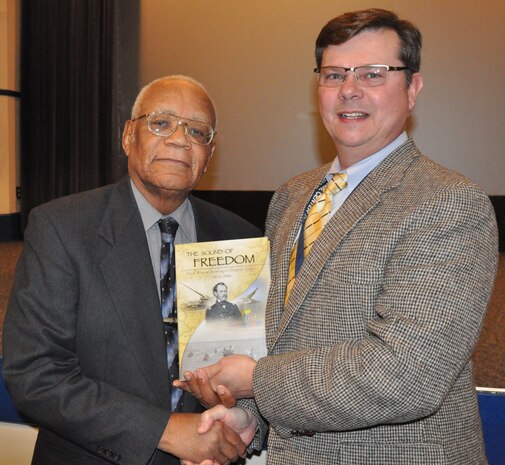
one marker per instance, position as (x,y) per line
(217,387)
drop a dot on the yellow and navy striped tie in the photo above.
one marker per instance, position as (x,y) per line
(317,217)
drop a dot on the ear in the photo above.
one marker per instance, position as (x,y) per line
(415,87)
(128,136)
(209,156)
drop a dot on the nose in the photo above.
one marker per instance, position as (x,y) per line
(350,88)
(178,137)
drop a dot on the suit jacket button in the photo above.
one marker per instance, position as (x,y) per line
(303,433)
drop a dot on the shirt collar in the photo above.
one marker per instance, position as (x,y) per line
(357,172)
(150,216)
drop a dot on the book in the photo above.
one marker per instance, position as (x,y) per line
(222,289)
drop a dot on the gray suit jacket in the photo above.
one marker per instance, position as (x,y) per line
(370,360)
(84,351)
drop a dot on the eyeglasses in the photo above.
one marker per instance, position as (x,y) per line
(165,124)
(366,76)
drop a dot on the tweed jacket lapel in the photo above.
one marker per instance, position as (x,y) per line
(126,268)
(387,175)
(282,245)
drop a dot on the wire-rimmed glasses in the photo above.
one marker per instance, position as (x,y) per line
(164,124)
(366,76)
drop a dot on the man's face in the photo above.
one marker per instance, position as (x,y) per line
(362,120)
(168,167)
(221,292)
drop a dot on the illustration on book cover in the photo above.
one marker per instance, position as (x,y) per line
(222,288)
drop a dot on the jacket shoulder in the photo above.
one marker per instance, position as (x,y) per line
(77,204)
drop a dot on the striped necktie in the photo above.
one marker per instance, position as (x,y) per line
(319,209)
(168,228)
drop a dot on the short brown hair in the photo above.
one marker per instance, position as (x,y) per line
(348,25)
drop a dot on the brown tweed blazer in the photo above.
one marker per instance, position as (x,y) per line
(370,360)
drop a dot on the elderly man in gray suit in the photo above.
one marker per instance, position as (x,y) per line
(85,354)
(369,337)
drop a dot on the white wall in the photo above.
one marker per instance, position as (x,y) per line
(256,58)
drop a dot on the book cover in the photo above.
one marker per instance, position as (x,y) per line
(222,288)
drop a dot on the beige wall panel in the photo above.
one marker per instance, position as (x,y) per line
(256,59)
(9,46)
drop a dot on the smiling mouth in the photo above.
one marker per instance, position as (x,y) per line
(353,115)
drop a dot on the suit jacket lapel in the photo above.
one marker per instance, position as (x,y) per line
(204,222)
(387,175)
(127,271)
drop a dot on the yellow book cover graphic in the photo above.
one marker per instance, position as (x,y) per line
(222,289)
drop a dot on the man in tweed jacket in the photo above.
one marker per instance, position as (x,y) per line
(369,360)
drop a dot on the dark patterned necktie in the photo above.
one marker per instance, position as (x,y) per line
(168,227)
(315,220)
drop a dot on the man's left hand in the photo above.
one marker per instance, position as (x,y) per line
(199,386)
(223,382)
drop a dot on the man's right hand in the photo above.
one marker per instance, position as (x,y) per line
(242,421)
(219,443)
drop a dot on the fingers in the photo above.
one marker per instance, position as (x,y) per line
(190,384)
(204,425)
(232,446)
(198,384)
(220,444)
(234,423)
(240,421)
(208,396)
(225,396)
(208,418)
(206,383)
(225,443)
(234,439)
(194,386)
(205,462)
(183,384)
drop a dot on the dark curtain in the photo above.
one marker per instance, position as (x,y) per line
(70,97)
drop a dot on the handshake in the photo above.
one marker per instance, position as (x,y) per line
(220,435)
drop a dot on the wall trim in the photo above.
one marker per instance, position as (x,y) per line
(10,93)
(251,205)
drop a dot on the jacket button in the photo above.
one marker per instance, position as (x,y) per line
(303,433)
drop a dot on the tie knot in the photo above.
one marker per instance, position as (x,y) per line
(336,183)
(168,226)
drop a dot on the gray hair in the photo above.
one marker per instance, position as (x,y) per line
(175,77)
